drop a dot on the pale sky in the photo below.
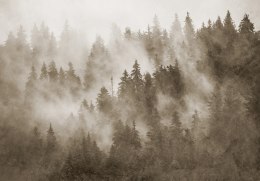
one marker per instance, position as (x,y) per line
(96,16)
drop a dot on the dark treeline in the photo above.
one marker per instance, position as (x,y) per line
(155,135)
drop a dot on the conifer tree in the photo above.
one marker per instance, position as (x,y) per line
(21,39)
(44,72)
(51,142)
(189,31)
(35,38)
(135,139)
(10,42)
(52,46)
(229,27)
(157,42)
(246,27)
(72,79)
(176,123)
(218,25)
(104,101)
(176,36)
(124,85)
(36,144)
(137,81)
(52,71)
(62,76)
(31,86)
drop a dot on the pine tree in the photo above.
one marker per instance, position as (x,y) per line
(44,72)
(72,78)
(104,101)
(176,123)
(189,31)
(36,144)
(176,36)
(65,36)
(52,71)
(31,85)
(52,46)
(217,36)
(45,33)
(196,128)
(21,39)
(62,76)
(97,58)
(149,95)
(51,143)
(148,41)
(118,135)
(218,25)
(137,81)
(178,80)
(128,34)
(98,49)
(245,26)
(10,42)
(124,85)
(209,27)
(135,139)
(157,42)
(229,27)
(35,39)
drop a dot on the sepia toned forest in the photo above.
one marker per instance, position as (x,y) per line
(153,105)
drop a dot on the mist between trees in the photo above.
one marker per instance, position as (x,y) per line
(156,104)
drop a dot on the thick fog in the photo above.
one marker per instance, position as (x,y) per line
(129,90)
(93,18)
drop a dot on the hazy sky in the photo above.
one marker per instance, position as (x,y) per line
(96,16)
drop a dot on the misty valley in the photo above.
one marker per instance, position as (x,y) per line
(148,105)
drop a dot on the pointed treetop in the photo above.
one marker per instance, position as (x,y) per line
(218,24)
(246,26)
(44,72)
(189,29)
(50,130)
(228,23)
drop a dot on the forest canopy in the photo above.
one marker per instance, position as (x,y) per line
(154,104)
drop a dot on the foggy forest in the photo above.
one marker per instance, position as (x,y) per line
(154,104)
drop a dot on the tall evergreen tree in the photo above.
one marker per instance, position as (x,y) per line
(123,88)
(137,81)
(51,142)
(104,101)
(157,42)
(52,46)
(176,36)
(44,72)
(218,24)
(245,26)
(31,86)
(21,39)
(72,78)
(229,27)
(62,76)
(189,31)
(35,40)
(135,139)
(52,71)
